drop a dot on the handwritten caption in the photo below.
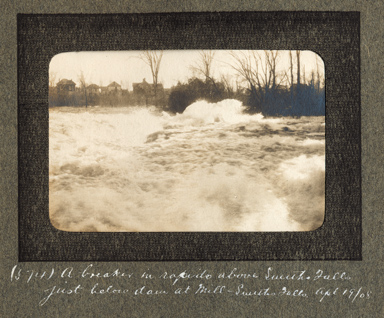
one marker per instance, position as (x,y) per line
(234,283)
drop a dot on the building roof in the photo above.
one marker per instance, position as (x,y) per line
(114,84)
(66,82)
(94,86)
(146,84)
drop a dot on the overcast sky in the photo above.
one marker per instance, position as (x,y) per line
(125,68)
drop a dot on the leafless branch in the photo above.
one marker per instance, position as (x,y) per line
(204,65)
(153,60)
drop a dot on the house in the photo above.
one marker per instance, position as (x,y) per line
(93,89)
(103,90)
(113,87)
(66,86)
(144,88)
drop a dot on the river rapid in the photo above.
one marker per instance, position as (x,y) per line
(212,168)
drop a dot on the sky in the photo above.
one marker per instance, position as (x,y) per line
(125,67)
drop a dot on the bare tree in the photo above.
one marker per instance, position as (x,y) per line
(298,67)
(228,87)
(259,72)
(291,66)
(291,71)
(52,78)
(153,60)
(204,65)
(299,102)
(290,79)
(271,59)
(83,86)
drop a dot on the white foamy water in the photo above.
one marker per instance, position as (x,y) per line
(211,168)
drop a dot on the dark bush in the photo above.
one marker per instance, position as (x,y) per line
(183,95)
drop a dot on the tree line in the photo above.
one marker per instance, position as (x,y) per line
(259,83)
(260,86)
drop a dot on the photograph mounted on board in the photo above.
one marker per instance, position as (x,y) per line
(187,141)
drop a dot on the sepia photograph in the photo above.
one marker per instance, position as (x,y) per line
(187,141)
(191,159)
